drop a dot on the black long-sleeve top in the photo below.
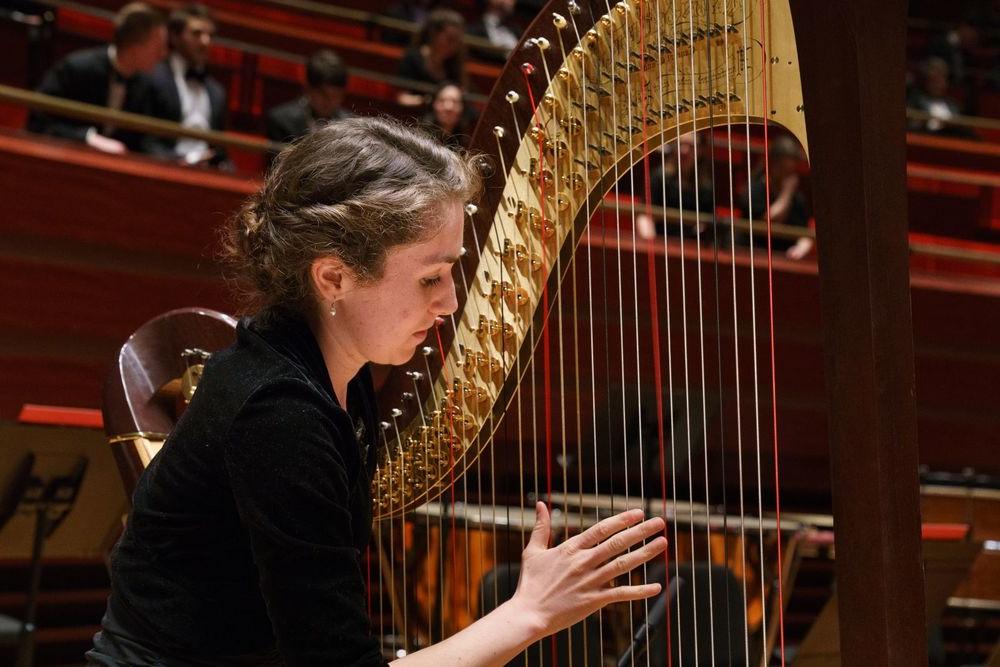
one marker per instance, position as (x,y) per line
(245,538)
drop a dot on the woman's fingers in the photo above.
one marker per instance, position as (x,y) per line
(628,593)
(541,532)
(625,539)
(602,530)
(627,562)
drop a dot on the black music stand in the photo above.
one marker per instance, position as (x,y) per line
(50,499)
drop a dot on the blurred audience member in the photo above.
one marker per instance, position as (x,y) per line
(412,11)
(930,96)
(450,117)
(680,182)
(437,55)
(322,99)
(788,204)
(496,26)
(181,90)
(107,76)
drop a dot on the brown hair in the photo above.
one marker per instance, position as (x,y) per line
(134,23)
(436,22)
(353,189)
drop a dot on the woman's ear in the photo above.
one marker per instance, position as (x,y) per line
(331,278)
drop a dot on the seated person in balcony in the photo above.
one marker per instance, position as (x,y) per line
(496,26)
(322,100)
(107,76)
(788,203)
(931,97)
(450,117)
(182,91)
(437,55)
(680,182)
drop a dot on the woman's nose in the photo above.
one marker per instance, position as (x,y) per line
(447,301)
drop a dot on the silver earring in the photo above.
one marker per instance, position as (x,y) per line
(333,309)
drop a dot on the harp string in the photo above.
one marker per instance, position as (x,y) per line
(612,79)
(686,354)
(527,70)
(770,308)
(718,330)
(736,338)
(550,188)
(701,340)
(654,304)
(590,299)
(402,537)
(670,371)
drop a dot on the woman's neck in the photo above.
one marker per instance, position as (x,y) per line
(342,362)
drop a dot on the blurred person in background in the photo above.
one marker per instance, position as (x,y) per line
(108,76)
(321,101)
(680,182)
(437,55)
(182,91)
(450,117)
(496,26)
(788,203)
(931,97)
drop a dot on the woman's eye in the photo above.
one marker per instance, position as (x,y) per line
(430,282)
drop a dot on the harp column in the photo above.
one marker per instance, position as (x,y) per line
(852,74)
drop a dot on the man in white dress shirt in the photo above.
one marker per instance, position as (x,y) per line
(184,92)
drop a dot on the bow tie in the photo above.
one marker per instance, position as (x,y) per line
(194,74)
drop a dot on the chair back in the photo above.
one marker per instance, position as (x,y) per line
(154,377)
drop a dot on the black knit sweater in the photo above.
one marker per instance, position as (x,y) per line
(245,538)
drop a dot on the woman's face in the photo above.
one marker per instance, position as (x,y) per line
(390,318)
(448,107)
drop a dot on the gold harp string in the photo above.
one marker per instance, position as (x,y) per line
(590,285)
(685,334)
(402,533)
(557,153)
(565,122)
(666,308)
(384,428)
(670,357)
(711,99)
(727,22)
(630,114)
(512,99)
(518,396)
(747,24)
(475,444)
(701,326)
(616,158)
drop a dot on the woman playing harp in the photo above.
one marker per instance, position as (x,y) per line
(244,541)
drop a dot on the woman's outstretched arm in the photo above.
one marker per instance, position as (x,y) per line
(558,587)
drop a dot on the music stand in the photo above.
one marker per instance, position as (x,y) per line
(50,498)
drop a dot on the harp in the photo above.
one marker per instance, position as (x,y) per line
(512,398)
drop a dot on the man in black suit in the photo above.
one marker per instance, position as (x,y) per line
(182,91)
(322,99)
(107,76)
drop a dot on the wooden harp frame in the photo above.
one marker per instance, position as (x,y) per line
(851,59)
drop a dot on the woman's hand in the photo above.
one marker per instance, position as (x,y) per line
(560,586)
